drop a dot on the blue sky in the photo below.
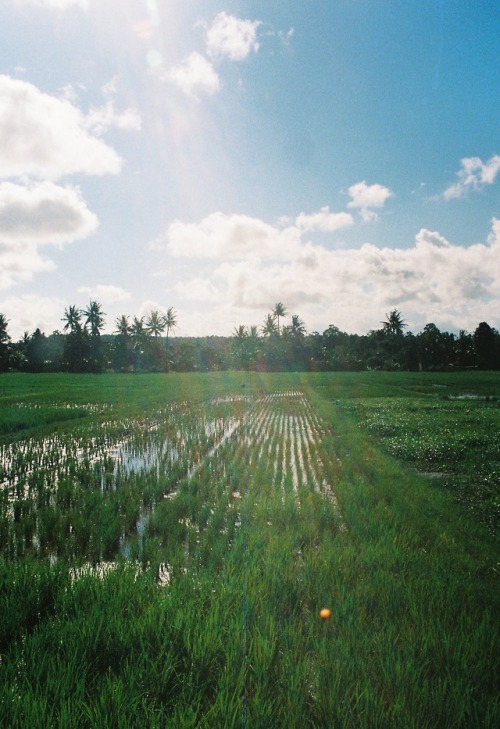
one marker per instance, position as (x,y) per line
(339,156)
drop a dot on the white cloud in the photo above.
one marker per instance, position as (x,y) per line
(195,75)
(105,293)
(473,175)
(101,118)
(55,4)
(253,266)
(365,197)
(43,213)
(42,136)
(232,37)
(30,312)
(197,289)
(231,237)
(34,216)
(324,221)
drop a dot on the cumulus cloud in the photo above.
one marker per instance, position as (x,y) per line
(105,293)
(473,175)
(365,197)
(45,137)
(33,216)
(232,37)
(100,119)
(254,264)
(30,312)
(324,221)
(231,237)
(195,75)
(43,213)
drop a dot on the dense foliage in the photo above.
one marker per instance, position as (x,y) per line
(143,345)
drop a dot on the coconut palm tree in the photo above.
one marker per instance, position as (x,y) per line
(170,319)
(73,319)
(269,327)
(394,323)
(123,327)
(139,339)
(95,318)
(297,328)
(4,343)
(279,310)
(138,329)
(156,323)
(240,349)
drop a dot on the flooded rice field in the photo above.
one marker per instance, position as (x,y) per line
(180,480)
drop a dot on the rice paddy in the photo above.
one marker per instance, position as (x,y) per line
(166,550)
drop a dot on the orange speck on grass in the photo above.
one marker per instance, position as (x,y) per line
(325,613)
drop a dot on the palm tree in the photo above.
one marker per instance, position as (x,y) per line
(240,332)
(269,327)
(95,317)
(73,319)
(297,328)
(122,350)
(394,323)
(279,310)
(138,330)
(170,319)
(139,338)
(240,348)
(156,323)
(4,337)
(123,327)
(4,344)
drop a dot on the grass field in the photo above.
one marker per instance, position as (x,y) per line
(167,543)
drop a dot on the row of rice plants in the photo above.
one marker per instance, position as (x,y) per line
(81,497)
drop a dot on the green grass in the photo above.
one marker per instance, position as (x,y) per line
(235,640)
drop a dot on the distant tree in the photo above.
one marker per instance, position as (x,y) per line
(240,347)
(269,328)
(94,318)
(5,349)
(170,324)
(394,324)
(156,323)
(72,319)
(139,341)
(297,328)
(170,320)
(464,351)
(123,327)
(155,326)
(484,342)
(77,350)
(95,321)
(122,356)
(279,311)
(36,352)
(430,347)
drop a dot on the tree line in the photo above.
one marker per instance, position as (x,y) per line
(144,344)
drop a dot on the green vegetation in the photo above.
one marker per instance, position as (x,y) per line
(143,345)
(167,542)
